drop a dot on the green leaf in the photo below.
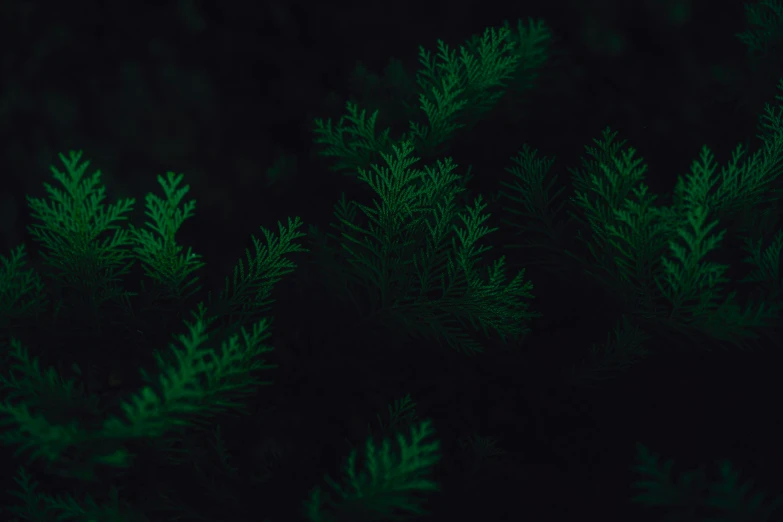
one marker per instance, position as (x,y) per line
(736,500)
(163,260)
(416,256)
(247,293)
(624,347)
(34,504)
(765,27)
(353,140)
(196,381)
(691,283)
(22,293)
(383,483)
(400,414)
(458,86)
(692,496)
(532,40)
(766,263)
(81,235)
(657,487)
(624,232)
(532,206)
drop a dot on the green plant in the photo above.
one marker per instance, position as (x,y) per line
(22,292)
(40,507)
(657,258)
(400,414)
(417,259)
(767,264)
(456,88)
(624,347)
(83,242)
(387,486)
(533,198)
(480,453)
(692,496)
(87,252)
(764,34)
(164,261)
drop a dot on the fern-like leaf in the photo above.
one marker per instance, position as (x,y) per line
(400,414)
(454,82)
(735,499)
(532,206)
(766,262)
(353,140)
(196,381)
(22,294)
(624,347)
(383,483)
(163,260)
(81,235)
(532,40)
(457,86)
(247,293)
(658,487)
(692,284)
(40,406)
(34,503)
(625,234)
(417,254)
(765,25)
(692,496)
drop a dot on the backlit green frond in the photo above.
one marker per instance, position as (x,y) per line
(624,232)
(455,81)
(82,237)
(383,483)
(22,293)
(693,285)
(37,413)
(418,257)
(694,495)
(197,380)
(247,293)
(747,180)
(164,260)
(690,282)
(624,347)
(353,140)
(532,205)
(765,25)
(767,263)
(456,87)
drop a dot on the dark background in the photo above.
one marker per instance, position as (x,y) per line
(221,91)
